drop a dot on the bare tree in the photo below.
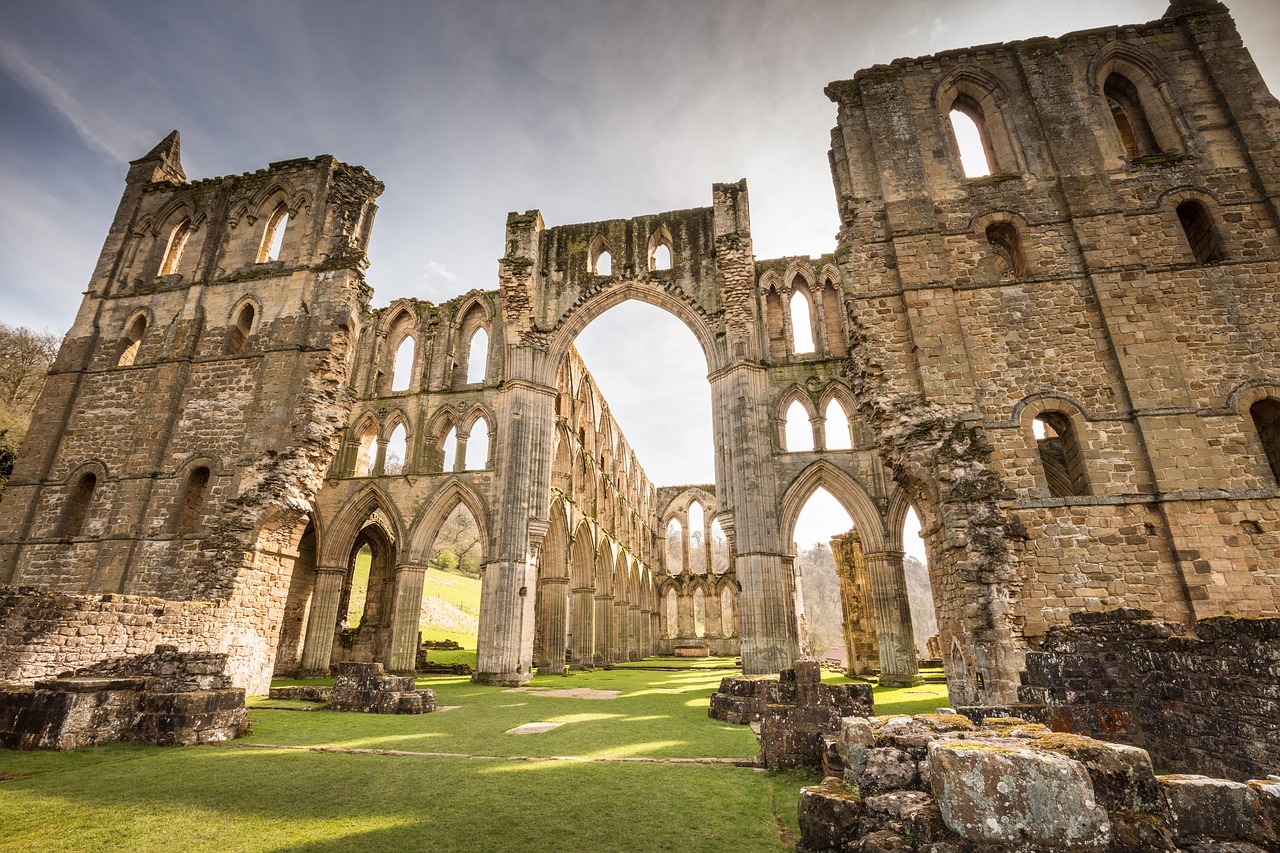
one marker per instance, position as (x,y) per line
(25,355)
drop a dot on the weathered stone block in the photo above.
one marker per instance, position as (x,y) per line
(829,815)
(1010,795)
(1215,808)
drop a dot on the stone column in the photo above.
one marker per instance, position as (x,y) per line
(898,667)
(857,604)
(715,625)
(553,611)
(649,630)
(684,614)
(323,621)
(604,630)
(635,641)
(620,626)
(406,615)
(583,654)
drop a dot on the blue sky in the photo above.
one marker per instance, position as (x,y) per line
(467,110)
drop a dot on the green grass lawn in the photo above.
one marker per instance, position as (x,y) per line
(234,797)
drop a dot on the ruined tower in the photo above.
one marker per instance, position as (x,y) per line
(189,418)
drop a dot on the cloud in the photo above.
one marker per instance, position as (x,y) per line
(95,128)
(433,270)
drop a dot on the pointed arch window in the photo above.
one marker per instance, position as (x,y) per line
(599,257)
(449,449)
(273,235)
(1266,420)
(191,505)
(131,341)
(801,322)
(660,249)
(776,324)
(173,250)
(697,539)
(478,356)
(1060,455)
(675,547)
(1006,249)
(1125,104)
(238,334)
(402,372)
(397,452)
(77,507)
(478,446)
(1202,236)
(837,422)
(799,432)
(367,451)
(968,125)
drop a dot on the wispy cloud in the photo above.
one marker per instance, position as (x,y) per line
(95,128)
(434,271)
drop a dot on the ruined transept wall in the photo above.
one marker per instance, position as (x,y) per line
(1098,311)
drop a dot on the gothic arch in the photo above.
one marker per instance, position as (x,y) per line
(1157,114)
(428,523)
(351,519)
(981,96)
(845,489)
(650,293)
(392,419)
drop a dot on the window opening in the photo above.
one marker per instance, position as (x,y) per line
(238,334)
(838,437)
(801,323)
(1266,420)
(697,543)
(971,138)
(675,547)
(402,373)
(78,505)
(393,462)
(726,612)
(360,568)
(193,495)
(1130,118)
(273,236)
(799,432)
(915,565)
(365,455)
(1201,235)
(661,257)
(719,548)
(819,594)
(604,264)
(449,447)
(478,356)
(478,446)
(132,341)
(458,548)
(1006,248)
(1060,455)
(173,251)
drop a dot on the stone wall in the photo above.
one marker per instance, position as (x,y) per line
(1207,702)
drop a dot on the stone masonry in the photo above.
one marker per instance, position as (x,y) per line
(1067,366)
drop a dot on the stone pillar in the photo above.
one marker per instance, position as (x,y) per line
(323,621)
(406,614)
(582,655)
(620,626)
(684,613)
(898,667)
(604,631)
(715,625)
(857,604)
(635,640)
(649,630)
(553,611)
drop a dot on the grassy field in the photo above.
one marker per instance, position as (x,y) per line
(237,796)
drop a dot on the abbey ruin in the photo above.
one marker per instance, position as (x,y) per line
(1067,366)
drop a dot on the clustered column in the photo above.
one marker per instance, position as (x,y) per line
(898,665)
(323,622)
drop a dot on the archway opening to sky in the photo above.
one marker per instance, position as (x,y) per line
(651,370)
(819,613)
(915,564)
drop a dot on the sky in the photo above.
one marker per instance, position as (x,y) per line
(468,109)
